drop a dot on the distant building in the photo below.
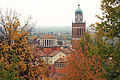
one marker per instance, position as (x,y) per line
(47,40)
(78,27)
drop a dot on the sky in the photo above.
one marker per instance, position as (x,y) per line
(54,12)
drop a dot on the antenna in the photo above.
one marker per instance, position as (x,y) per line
(78,3)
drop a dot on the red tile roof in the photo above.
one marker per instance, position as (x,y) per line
(53,53)
(41,53)
(48,36)
(66,51)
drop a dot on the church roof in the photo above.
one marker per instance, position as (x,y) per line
(41,53)
(48,36)
(78,11)
(53,53)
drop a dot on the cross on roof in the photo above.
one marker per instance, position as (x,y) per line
(78,5)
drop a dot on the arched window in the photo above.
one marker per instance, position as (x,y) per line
(80,32)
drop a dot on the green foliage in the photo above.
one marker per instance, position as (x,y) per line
(110,20)
(109,54)
(109,27)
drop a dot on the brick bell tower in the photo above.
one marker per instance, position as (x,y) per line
(78,28)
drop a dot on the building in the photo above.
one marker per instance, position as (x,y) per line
(47,40)
(52,54)
(78,27)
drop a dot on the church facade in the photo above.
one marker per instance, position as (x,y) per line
(78,28)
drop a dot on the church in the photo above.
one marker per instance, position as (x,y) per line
(78,27)
(49,50)
(53,55)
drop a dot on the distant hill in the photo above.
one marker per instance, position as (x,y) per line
(54,29)
(47,29)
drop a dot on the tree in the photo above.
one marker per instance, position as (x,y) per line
(109,27)
(109,54)
(96,47)
(85,62)
(102,51)
(110,20)
(83,67)
(17,60)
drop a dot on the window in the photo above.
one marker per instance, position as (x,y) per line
(47,42)
(59,65)
(80,32)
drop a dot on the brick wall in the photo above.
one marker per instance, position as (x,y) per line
(75,43)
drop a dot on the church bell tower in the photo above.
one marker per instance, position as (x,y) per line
(78,28)
(78,15)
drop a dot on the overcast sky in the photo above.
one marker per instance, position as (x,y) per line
(54,12)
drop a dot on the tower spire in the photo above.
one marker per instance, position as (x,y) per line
(78,5)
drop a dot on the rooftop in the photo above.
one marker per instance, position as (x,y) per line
(78,11)
(48,36)
(41,53)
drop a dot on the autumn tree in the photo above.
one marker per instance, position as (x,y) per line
(108,53)
(93,50)
(109,27)
(83,67)
(17,61)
